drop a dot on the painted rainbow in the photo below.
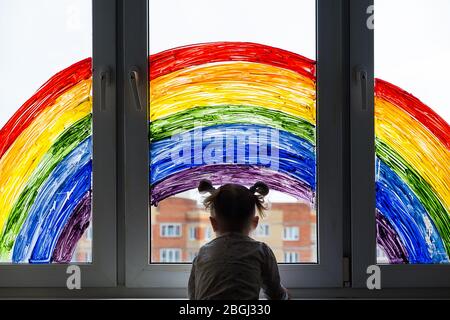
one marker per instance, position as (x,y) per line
(45,202)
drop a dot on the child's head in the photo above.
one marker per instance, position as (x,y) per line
(233,206)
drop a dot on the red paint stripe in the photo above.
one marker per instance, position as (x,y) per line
(183,57)
(417,109)
(43,98)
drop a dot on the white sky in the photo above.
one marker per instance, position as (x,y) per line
(179,22)
(39,38)
(412,49)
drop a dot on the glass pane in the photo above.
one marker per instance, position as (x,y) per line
(412,46)
(233,100)
(45,137)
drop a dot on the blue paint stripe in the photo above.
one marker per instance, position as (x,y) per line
(400,206)
(49,199)
(66,201)
(296,156)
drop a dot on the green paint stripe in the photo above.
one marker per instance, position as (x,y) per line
(230,114)
(424,192)
(65,144)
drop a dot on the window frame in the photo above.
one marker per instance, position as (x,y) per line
(192,233)
(290,254)
(328,272)
(173,250)
(101,272)
(362,145)
(176,226)
(260,226)
(295,235)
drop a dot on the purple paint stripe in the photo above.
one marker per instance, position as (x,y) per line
(73,230)
(221,174)
(387,239)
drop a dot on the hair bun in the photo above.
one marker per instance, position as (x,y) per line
(261,188)
(205,186)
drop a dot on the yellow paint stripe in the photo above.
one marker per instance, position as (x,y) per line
(416,144)
(233,83)
(24,155)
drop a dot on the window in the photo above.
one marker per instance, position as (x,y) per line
(291,257)
(53,140)
(401,221)
(236,107)
(256,86)
(170,230)
(208,233)
(262,230)
(193,233)
(48,128)
(290,233)
(412,131)
(170,255)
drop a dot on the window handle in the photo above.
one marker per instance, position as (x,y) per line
(133,77)
(361,78)
(105,77)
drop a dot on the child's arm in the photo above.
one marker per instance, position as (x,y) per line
(271,277)
(191,284)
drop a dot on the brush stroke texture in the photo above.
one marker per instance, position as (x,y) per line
(389,241)
(73,231)
(51,199)
(35,141)
(235,83)
(230,173)
(414,143)
(414,107)
(172,60)
(44,98)
(230,114)
(419,187)
(65,203)
(296,157)
(412,140)
(408,217)
(66,143)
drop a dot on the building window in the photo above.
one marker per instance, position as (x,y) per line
(170,255)
(192,233)
(170,230)
(262,230)
(291,257)
(290,234)
(208,233)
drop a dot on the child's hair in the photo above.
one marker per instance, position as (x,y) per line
(233,204)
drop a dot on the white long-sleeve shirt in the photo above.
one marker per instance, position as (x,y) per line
(235,267)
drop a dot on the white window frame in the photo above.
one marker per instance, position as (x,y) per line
(288,257)
(165,226)
(262,227)
(171,252)
(289,234)
(192,233)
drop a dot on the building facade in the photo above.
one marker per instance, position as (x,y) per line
(180,226)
